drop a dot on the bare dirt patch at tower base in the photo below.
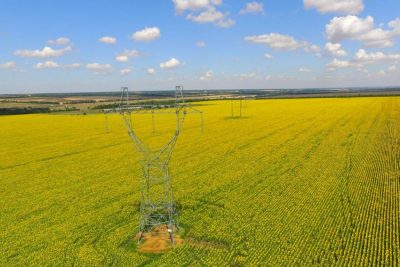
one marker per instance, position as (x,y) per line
(158,240)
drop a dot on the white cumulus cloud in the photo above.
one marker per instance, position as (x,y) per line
(267,56)
(10,65)
(148,34)
(124,56)
(183,5)
(279,41)
(207,76)
(363,30)
(60,41)
(108,40)
(125,71)
(47,65)
(212,15)
(204,11)
(170,64)
(275,41)
(99,69)
(54,65)
(395,25)
(342,64)
(352,7)
(335,49)
(362,58)
(369,58)
(151,71)
(45,52)
(311,48)
(253,8)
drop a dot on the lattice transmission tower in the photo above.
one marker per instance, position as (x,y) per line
(157,206)
(237,107)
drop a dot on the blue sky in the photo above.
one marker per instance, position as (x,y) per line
(56,46)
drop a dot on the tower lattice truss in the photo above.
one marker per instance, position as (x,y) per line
(157,205)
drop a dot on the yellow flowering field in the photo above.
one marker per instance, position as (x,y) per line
(293,182)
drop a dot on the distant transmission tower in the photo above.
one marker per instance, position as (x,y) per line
(157,205)
(245,100)
(106,123)
(233,114)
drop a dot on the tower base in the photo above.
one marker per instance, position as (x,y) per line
(158,240)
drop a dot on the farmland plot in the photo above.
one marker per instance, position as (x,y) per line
(292,182)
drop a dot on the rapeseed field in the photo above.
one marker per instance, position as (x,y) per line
(293,182)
